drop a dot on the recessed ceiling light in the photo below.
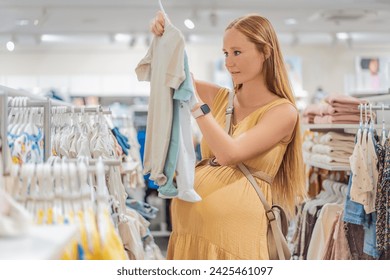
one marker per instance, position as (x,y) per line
(290,21)
(10,46)
(121,37)
(342,35)
(23,22)
(189,24)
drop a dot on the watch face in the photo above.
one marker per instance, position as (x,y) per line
(205,109)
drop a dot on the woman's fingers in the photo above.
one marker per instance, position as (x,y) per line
(157,24)
(153,28)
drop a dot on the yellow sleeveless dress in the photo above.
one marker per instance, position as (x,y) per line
(229,223)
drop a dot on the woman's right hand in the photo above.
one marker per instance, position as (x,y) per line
(158,23)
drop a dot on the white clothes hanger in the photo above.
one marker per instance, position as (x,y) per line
(86,191)
(67,202)
(25,115)
(101,192)
(365,116)
(37,196)
(58,207)
(18,116)
(48,185)
(161,7)
(340,193)
(371,119)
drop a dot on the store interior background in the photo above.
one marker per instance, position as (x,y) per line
(90,48)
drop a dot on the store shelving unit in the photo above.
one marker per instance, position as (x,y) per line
(327,166)
(346,128)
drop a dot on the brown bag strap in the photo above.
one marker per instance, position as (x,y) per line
(268,210)
(229,111)
(243,168)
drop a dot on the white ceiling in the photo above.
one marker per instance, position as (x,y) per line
(97,21)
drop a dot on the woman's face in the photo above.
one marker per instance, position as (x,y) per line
(242,58)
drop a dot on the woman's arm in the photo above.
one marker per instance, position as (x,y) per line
(277,125)
(206,91)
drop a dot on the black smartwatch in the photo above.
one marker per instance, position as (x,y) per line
(201,111)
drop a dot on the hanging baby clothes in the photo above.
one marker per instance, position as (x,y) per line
(169,190)
(163,67)
(26,148)
(181,154)
(382,201)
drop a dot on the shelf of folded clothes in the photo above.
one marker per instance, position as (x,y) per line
(336,112)
(331,167)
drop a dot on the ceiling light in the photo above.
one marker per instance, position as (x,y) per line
(189,24)
(290,21)
(122,38)
(23,22)
(36,22)
(10,46)
(74,38)
(342,35)
(51,38)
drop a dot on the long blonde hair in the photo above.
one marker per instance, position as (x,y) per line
(288,188)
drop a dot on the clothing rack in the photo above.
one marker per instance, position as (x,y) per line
(106,162)
(36,101)
(73,109)
(374,107)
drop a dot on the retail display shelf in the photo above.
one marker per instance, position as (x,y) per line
(330,126)
(45,242)
(347,128)
(327,166)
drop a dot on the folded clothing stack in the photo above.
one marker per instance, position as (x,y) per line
(337,109)
(331,148)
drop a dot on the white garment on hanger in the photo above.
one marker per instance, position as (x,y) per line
(163,66)
(185,169)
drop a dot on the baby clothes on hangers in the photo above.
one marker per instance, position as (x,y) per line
(181,155)
(123,141)
(322,230)
(163,67)
(185,170)
(362,182)
(26,148)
